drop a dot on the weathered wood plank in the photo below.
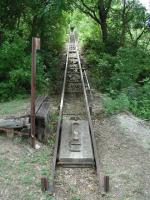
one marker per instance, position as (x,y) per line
(9,131)
(14,123)
(38,102)
(42,120)
(42,110)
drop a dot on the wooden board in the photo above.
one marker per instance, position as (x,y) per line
(42,118)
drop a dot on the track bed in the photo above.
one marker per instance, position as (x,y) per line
(75,145)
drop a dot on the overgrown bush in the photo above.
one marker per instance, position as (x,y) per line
(140,102)
(130,67)
(121,103)
(124,78)
(15,68)
(20,21)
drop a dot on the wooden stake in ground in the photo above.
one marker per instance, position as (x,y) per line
(35,47)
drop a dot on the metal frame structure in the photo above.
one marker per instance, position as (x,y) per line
(97,161)
(58,133)
(59,125)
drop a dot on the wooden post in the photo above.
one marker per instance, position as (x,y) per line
(106,184)
(44,184)
(35,46)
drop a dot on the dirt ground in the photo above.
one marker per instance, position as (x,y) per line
(124,148)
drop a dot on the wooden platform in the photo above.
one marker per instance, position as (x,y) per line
(21,125)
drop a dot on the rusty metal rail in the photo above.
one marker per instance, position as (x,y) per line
(51,188)
(96,157)
(85,86)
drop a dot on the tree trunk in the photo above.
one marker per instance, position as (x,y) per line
(123,38)
(124,25)
(103,21)
(104,31)
(34,31)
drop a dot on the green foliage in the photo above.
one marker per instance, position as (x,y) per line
(15,67)
(119,65)
(131,65)
(14,64)
(140,101)
(16,106)
(121,103)
(20,21)
(124,77)
(86,29)
(75,198)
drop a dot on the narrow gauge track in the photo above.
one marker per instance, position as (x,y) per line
(75,105)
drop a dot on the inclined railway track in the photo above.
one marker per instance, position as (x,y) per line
(75,108)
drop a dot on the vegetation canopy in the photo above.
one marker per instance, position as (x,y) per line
(115,37)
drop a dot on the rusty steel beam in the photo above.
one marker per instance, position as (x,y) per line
(35,47)
(88,109)
(95,150)
(33,88)
(59,123)
(88,84)
(106,184)
(44,184)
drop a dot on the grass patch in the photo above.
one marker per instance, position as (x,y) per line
(13,107)
(3,162)
(27,180)
(75,198)
(21,169)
